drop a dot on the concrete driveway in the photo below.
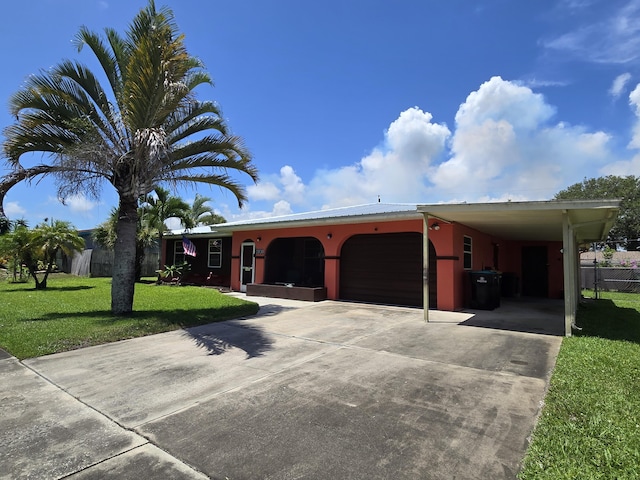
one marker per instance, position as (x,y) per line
(325,390)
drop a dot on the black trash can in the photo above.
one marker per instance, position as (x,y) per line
(485,289)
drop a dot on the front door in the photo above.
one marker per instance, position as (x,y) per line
(247,264)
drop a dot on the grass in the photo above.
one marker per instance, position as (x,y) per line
(589,427)
(74,312)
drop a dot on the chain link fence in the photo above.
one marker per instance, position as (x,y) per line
(610,279)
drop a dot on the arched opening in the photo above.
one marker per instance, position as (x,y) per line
(386,268)
(295,261)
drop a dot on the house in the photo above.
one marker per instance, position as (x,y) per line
(403,254)
(618,258)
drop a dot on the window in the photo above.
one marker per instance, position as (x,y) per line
(178,253)
(215,253)
(467,253)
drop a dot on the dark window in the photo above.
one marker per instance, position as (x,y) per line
(215,253)
(178,253)
(467,261)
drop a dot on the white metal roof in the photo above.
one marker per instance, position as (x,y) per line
(591,220)
(537,220)
(354,214)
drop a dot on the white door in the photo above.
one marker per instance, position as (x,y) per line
(247,264)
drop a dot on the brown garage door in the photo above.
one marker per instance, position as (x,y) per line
(385,268)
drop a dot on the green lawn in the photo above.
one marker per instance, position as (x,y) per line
(590,424)
(74,312)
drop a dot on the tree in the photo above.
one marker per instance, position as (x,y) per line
(14,244)
(158,208)
(38,248)
(146,128)
(202,214)
(105,236)
(626,229)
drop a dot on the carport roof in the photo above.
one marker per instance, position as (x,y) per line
(533,221)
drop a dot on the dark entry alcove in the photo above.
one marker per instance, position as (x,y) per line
(295,261)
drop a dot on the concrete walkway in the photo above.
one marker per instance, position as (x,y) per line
(325,390)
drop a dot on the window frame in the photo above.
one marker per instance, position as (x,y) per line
(467,252)
(212,254)
(178,252)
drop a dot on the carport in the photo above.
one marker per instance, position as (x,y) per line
(574,223)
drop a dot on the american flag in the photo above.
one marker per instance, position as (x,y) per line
(188,247)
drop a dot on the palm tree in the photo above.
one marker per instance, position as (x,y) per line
(46,240)
(202,214)
(159,208)
(145,129)
(14,244)
(105,236)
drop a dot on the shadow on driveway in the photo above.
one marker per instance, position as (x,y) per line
(218,338)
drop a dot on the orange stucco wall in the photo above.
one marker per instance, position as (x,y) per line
(452,278)
(339,234)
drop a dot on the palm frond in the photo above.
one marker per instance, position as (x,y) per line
(107,58)
(225,182)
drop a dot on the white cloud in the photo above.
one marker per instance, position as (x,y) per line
(631,166)
(534,82)
(613,40)
(619,84)
(502,100)
(14,210)
(292,184)
(622,168)
(504,142)
(263,191)
(281,207)
(505,145)
(397,171)
(290,187)
(634,101)
(79,203)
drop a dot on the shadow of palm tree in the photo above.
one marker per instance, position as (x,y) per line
(49,288)
(220,337)
(216,330)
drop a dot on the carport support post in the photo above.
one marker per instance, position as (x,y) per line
(425,265)
(569,273)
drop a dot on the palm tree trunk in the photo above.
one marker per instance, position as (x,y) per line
(124,262)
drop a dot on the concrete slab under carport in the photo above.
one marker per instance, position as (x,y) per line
(326,390)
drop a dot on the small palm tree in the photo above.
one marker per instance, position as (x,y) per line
(202,214)
(144,129)
(46,240)
(14,244)
(158,208)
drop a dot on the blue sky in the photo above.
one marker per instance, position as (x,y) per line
(342,101)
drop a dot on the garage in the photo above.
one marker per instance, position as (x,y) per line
(386,268)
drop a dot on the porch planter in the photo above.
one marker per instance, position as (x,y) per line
(291,292)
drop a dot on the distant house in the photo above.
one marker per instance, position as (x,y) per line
(403,254)
(622,259)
